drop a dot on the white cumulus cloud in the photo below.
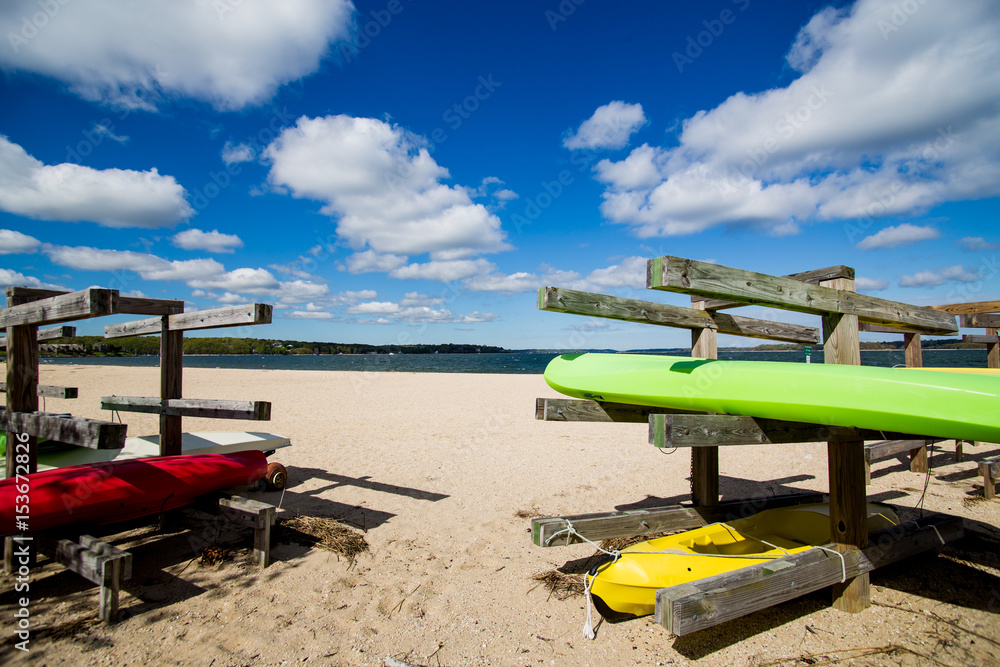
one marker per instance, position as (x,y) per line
(384,190)
(213,241)
(881,121)
(135,54)
(13,243)
(903,234)
(70,192)
(611,126)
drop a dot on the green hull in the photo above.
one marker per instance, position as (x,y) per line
(944,405)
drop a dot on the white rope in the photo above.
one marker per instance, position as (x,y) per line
(843,561)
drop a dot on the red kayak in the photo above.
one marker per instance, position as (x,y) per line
(109,492)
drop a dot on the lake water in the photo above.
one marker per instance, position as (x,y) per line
(513,362)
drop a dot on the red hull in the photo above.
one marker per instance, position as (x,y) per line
(110,492)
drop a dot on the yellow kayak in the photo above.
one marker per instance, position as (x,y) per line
(626,588)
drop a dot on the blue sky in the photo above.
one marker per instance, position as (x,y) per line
(411,172)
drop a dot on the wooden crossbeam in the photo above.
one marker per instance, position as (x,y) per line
(252,514)
(50,391)
(815,277)
(694,430)
(93,302)
(981,339)
(968,308)
(574,410)
(79,431)
(649,312)
(98,563)
(676,274)
(707,602)
(127,305)
(551,531)
(190,407)
(51,333)
(979,320)
(215,318)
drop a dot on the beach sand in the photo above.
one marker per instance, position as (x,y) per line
(439,472)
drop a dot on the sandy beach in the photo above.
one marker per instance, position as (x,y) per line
(440,474)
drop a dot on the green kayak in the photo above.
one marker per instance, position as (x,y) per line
(943,405)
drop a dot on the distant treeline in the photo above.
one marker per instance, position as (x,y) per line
(143,345)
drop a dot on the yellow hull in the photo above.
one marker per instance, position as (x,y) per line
(626,588)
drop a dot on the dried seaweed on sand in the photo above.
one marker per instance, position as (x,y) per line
(325,533)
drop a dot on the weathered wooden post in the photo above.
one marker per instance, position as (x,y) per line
(704,460)
(846,459)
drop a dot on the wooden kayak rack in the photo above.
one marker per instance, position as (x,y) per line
(27,310)
(829,293)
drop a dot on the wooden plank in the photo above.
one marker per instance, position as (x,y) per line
(676,274)
(52,333)
(127,305)
(190,407)
(551,531)
(814,277)
(876,451)
(980,338)
(215,318)
(968,308)
(979,320)
(698,430)
(704,460)
(993,349)
(560,300)
(702,604)
(79,431)
(50,391)
(80,305)
(575,410)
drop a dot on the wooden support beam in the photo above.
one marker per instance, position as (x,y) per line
(980,338)
(979,320)
(560,300)
(80,305)
(253,514)
(705,603)
(705,460)
(814,277)
(993,349)
(676,274)
(967,308)
(171,386)
(98,563)
(52,333)
(913,355)
(215,318)
(79,431)
(190,407)
(551,532)
(990,470)
(706,430)
(127,305)
(574,410)
(50,391)
(846,459)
